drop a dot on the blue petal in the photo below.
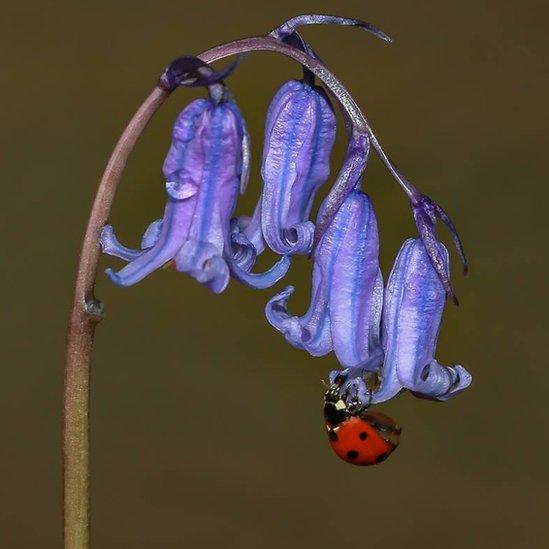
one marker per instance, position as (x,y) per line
(202,261)
(152,234)
(110,245)
(260,281)
(311,331)
(171,238)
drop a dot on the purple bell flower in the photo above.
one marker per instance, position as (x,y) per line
(412,311)
(299,136)
(204,169)
(413,303)
(345,311)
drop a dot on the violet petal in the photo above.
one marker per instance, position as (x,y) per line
(203,170)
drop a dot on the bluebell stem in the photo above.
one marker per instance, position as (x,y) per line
(204,169)
(299,136)
(347,291)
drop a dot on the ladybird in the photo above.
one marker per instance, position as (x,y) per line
(356,435)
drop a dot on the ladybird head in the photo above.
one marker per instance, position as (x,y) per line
(335,406)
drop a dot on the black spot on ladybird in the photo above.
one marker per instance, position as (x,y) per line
(352,454)
(332,435)
(363,435)
(381,458)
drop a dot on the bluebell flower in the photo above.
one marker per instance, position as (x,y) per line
(204,170)
(347,292)
(299,136)
(413,304)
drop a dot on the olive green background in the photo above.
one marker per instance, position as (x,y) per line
(206,425)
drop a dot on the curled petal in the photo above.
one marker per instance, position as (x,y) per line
(413,306)
(442,381)
(175,225)
(299,237)
(243,251)
(311,331)
(152,234)
(241,255)
(251,228)
(111,245)
(260,281)
(202,261)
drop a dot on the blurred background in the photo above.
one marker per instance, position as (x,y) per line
(206,425)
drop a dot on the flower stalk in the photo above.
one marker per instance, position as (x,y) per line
(86,311)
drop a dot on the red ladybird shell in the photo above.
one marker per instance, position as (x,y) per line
(366,439)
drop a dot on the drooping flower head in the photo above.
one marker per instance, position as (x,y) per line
(204,170)
(386,372)
(384,339)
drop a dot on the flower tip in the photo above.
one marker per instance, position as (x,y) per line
(114,278)
(378,33)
